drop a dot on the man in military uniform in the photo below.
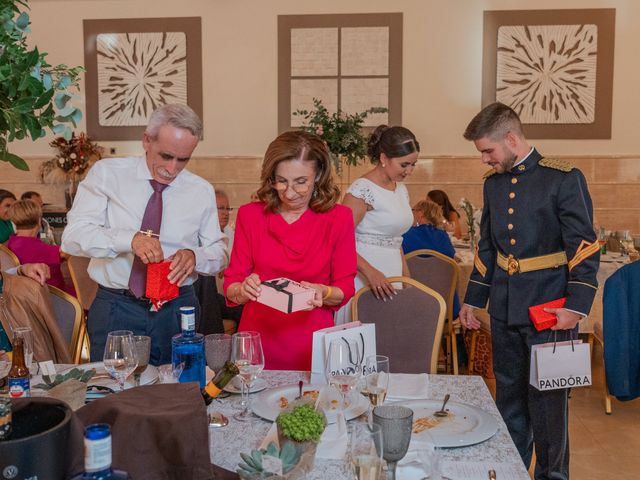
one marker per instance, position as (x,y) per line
(537,244)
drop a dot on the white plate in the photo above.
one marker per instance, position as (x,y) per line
(148,377)
(465,425)
(267,404)
(259,385)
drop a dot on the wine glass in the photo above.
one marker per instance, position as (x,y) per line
(376,373)
(626,240)
(246,353)
(27,336)
(142,345)
(431,459)
(396,423)
(365,453)
(343,366)
(120,355)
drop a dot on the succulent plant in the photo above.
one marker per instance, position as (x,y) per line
(302,424)
(251,468)
(74,373)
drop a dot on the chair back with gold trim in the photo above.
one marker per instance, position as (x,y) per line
(69,315)
(8,259)
(439,272)
(408,328)
(86,288)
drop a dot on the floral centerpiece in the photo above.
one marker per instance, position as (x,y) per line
(470,212)
(72,160)
(342,132)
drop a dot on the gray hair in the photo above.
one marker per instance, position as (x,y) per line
(176,115)
(221,193)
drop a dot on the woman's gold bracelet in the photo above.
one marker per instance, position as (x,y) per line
(328,294)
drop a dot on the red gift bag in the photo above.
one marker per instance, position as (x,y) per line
(159,289)
(543,320)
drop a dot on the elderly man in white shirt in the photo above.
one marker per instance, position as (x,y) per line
(110,219)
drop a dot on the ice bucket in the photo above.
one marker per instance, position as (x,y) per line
(38,445)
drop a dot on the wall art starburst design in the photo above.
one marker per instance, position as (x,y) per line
(547,73)
(138,72)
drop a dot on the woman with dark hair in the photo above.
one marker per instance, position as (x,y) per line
(6,227)
(298,231)
(451,216)
(381,210)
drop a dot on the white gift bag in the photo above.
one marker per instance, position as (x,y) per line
(556,365)
(364,334)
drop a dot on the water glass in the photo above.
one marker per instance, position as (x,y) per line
(365,452)
(431,459)
(27,336)
(246,353)
(170,373)
(217,348)
(396,423)
(142,345)
(120,355)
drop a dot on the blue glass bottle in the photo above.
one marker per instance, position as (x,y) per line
(97,455)
(188,348)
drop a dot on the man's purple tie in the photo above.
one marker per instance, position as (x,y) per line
(150,223)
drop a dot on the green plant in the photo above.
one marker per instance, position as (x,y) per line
(342,132)
(34,95)
(252,466)
(302,424)
(74,373)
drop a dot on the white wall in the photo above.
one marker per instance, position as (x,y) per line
(442,65)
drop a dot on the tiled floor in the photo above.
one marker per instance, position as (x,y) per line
(603,446)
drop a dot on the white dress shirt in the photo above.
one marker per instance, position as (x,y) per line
(108,210)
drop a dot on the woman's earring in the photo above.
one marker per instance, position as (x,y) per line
(315,192)
(384,165)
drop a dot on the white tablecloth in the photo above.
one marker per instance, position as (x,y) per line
(226,443)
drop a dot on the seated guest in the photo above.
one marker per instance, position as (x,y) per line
(297,231)
(24,302)
(6,227)
(46,232)
(26,216)
(425,234)
(451,215)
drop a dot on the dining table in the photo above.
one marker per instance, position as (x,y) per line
(497,452)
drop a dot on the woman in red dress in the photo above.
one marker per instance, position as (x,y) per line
(298,231)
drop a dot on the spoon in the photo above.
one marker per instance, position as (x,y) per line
(300,384)
(442,412)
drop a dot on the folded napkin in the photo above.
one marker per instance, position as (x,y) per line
(408,386)
(333,442)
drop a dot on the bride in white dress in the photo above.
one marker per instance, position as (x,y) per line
(382,212)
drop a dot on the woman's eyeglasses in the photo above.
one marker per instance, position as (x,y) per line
(225,209)
(300,188)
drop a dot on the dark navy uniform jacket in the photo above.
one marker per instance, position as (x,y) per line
(540,207)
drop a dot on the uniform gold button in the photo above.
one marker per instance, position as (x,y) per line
(512,241)
(510,211)
(510,226)
(521,168)
(514,180)
(512,195)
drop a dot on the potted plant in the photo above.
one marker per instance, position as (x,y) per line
(34,95)
(342,132)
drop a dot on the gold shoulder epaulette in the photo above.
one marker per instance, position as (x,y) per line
(556,163)
(488,173)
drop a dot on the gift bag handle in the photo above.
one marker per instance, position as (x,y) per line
(555,339)
(360,358)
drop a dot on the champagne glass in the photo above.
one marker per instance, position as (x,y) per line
(365,453)
(142,345)
(376,372)
(246,353)
(120,355)
(396,423)
(27,335)
(343,366)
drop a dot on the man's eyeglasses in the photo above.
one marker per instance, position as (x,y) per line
(300,188)
(225,209)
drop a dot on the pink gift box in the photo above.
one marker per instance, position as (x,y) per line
(285,295)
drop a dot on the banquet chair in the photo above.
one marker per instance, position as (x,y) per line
(439,272)
(8,259)
(408,327)
(69,315)
(86,288)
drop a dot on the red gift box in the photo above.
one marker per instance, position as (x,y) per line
(159,289)
(543,320)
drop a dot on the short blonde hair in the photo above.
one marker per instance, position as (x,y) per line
(25,214)
(432,212)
